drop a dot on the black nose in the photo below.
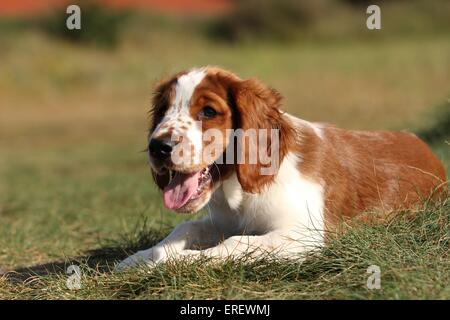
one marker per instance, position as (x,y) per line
(160,149)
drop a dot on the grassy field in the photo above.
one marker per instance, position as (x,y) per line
(76,188)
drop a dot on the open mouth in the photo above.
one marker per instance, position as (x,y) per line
(185,187)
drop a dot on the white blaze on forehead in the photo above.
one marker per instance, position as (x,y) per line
(179,122)
(184,89)
(178,111)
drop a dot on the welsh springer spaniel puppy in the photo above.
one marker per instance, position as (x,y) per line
(307,179)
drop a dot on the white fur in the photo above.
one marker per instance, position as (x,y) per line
(233,192)
(292,203)
(185,88)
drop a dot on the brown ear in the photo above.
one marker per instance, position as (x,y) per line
(160,101)
(162,96)
(257,107)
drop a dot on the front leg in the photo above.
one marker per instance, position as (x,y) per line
(274,243)
(186,236)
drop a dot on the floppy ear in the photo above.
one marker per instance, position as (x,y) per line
(160,103)
(256,106)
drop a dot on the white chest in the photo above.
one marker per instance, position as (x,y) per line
(291,202)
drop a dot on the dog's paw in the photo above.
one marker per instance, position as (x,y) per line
(147,258)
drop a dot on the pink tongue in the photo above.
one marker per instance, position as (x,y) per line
(178,192)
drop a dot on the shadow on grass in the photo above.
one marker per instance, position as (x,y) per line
(101,259)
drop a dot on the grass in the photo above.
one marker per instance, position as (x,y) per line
(412,255)
(74,186)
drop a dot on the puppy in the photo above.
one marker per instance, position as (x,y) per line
(271,182)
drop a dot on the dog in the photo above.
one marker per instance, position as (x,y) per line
(323,174)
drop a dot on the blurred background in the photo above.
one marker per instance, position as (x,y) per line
(74,103)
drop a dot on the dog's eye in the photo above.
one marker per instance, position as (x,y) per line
(208,112)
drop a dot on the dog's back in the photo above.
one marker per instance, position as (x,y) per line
(377,170)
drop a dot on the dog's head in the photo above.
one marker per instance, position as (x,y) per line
(194,144)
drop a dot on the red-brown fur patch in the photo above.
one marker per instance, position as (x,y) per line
(363,170)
